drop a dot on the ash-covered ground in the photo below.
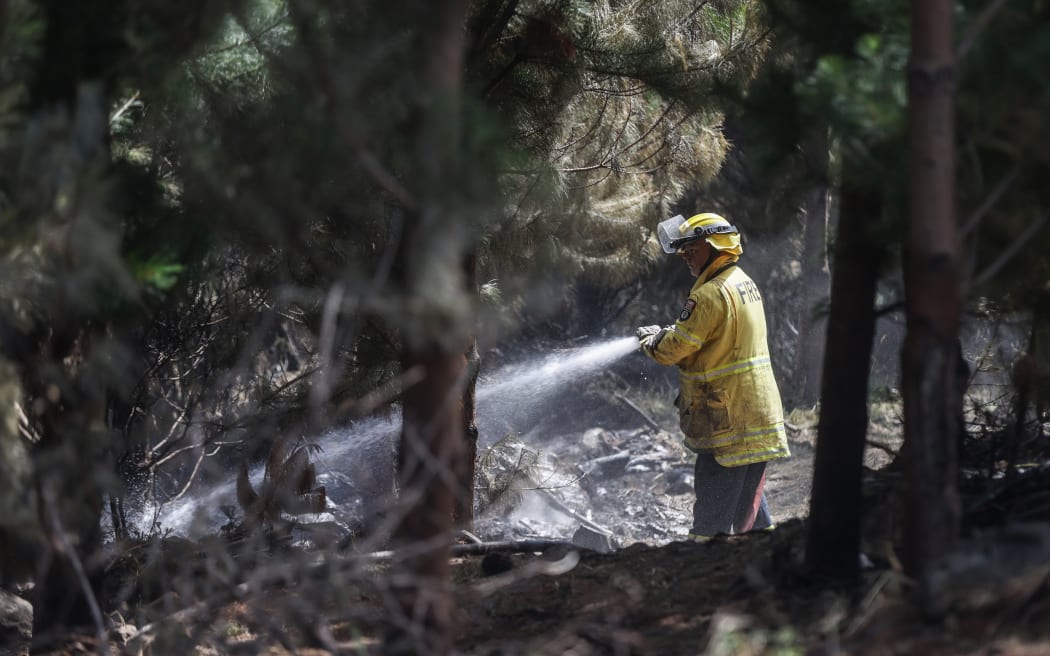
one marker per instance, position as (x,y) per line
(633,484)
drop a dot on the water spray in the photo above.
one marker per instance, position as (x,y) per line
(531,381)
(516,392)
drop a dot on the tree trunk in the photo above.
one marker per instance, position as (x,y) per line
(463,511)
(431,446)
(833,542)
(71,88)
(932,392)
(432,441)
(812,326)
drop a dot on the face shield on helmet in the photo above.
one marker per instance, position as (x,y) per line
(676,232)
(670,234)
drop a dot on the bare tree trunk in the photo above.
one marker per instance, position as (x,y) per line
(71,88)
(431,445)
(463,512)
(432,441)
(833,541)
(815,275)
(932,391)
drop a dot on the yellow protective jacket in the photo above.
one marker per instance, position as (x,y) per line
(729,403)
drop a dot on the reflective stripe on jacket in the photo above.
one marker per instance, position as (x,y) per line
(730,404)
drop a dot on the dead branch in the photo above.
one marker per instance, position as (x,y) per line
(633,406)
(120,112)
(65,547)
(557,503)
(881,447)
(510,546)
(1022,240)
(989,201)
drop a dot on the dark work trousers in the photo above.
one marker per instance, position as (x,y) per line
(729,499)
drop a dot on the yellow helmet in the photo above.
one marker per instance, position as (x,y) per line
(676,232)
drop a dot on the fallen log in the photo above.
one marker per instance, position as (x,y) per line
(607,465)
(511,546)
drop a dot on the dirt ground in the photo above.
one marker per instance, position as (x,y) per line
(735,595)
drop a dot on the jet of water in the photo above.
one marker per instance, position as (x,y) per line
(532,381)
(513,398)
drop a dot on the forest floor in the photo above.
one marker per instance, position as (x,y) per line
(653,593)
(739,594)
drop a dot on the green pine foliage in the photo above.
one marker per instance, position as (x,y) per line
(614,106)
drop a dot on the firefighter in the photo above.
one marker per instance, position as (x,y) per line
(729,404)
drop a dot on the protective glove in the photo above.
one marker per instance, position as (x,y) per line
(649,337)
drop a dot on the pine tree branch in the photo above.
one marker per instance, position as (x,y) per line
(493,29)
(978,26)
(990,201)
(125,107)
(1012,250)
